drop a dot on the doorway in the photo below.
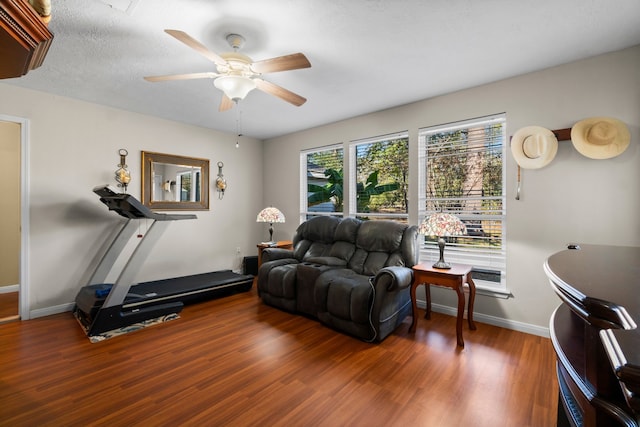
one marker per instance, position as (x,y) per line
(14,225)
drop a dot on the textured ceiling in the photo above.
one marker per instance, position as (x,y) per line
(366,55)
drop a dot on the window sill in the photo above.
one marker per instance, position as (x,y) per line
(495,293)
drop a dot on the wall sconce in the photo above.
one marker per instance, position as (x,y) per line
(167,186)
(123,177)
(221,183)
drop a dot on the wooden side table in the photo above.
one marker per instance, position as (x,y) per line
(454,278)
(284,244)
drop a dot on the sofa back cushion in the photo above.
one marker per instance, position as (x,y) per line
(315,237)
(345,239)
(317,250)
(380,244)
(363,246)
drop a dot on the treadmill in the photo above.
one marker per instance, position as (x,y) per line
(102,307)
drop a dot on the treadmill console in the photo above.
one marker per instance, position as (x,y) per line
(105,191)
(129,207)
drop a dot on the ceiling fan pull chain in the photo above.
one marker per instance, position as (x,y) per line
(238,126)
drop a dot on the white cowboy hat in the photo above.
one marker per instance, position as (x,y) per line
(534,147)
(600,137)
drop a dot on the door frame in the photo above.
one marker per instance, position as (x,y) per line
(23,306)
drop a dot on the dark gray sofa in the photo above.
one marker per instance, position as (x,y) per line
(352,275)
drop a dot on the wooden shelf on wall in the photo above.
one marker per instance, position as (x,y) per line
(562,134)
(24,38)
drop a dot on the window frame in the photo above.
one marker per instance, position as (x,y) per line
(194,185)
(483,259)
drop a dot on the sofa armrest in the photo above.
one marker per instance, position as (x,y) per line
(270,254)
(393,278)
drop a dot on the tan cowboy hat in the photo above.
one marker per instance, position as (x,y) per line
(600,137)
(534,147)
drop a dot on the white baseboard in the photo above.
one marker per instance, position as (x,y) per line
(9,288)
(491,320)
(56,309)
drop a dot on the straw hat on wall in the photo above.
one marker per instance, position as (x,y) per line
(600,137)
(534,147)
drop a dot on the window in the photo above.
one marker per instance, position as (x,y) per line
(462,173)
(380,177)
(189,185)
(321,189)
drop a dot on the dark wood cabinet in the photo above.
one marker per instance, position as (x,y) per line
(595,334)
(24,39)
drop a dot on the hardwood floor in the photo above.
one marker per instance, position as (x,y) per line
(238,362)
(8,306)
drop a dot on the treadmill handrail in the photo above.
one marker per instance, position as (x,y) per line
(129,207)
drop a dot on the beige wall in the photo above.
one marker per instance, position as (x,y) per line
(10,203)
(73,146)
(574,199)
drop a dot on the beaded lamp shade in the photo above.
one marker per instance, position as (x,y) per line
(442,225)
(270,215)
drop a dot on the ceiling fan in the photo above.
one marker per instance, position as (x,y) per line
(236,74)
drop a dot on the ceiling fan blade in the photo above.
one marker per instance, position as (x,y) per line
(281,63)
(190,76)
(225,103)
(280,92)
(196,45)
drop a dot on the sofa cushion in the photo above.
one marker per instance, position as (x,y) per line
(347,230)
(374,262)
(282,281)
(277,285)
(379,245)
(356,263)
(342,250)
(409,248)
(326,260)
(319,229)
(267,266)
(344,294)
(350,298)
(317,249)
(380,236)
(316,236)
(300,247)
(306,276)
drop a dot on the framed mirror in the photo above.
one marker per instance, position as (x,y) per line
(171,182)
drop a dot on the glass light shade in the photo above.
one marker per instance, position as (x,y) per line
(442,225)
(123,176)
(270,215)
(235,87)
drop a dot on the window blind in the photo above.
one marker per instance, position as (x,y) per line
(321,182)
(462,173)
(379,177)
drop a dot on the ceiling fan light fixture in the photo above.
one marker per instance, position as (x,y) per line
(236,74)
(235,87)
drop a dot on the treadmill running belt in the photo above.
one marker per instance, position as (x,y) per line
(189,288)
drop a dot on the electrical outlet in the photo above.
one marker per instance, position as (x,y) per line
(238,250)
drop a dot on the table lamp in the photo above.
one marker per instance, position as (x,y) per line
(270,215)
(442,225)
